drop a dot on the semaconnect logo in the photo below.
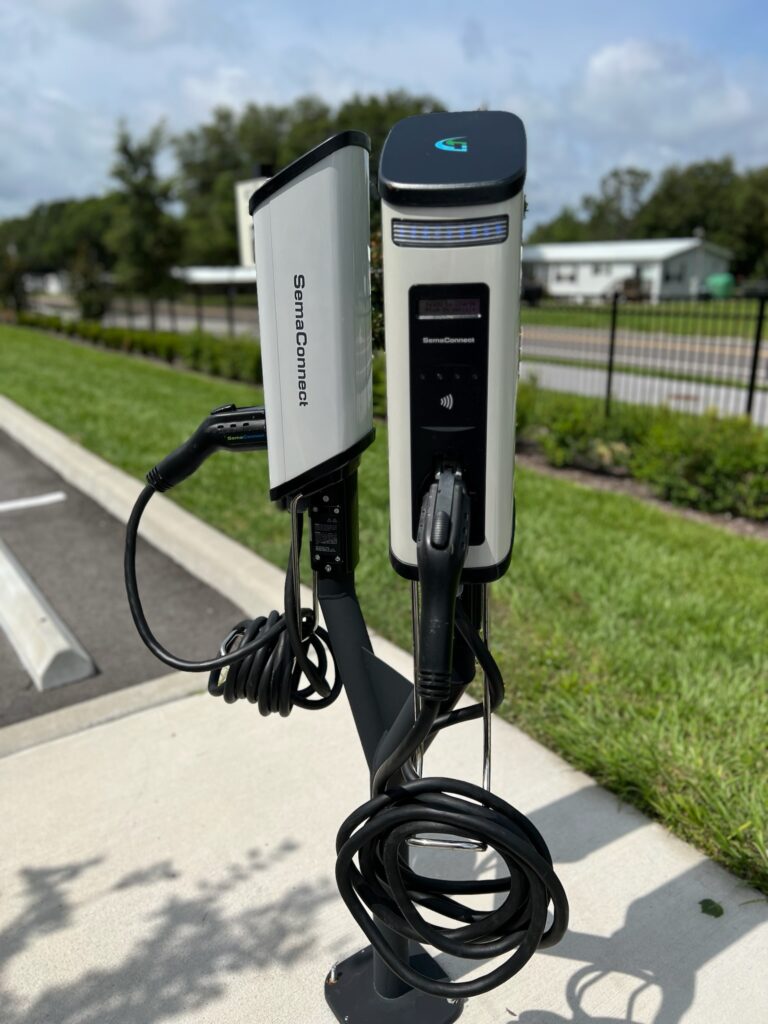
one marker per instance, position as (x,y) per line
(459,144)
(299,283)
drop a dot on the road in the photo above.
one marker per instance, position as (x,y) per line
(726,358)
(646,389)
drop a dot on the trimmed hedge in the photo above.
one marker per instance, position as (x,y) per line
(236,359)
(719,465)
(711,463)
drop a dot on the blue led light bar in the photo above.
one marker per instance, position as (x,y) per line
(437,234)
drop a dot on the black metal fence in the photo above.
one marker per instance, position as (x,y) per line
(691,355)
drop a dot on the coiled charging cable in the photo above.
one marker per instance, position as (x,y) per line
(262,660)
(372,869)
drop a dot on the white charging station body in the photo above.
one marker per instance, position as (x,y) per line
(451,238)
(311,240)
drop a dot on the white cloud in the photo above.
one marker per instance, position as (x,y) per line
(659,91)
(225,86)
(636,103)
(57,150)
(136,22)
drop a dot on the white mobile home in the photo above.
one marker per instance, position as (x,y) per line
(663,267)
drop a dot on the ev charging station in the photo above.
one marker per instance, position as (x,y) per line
(452,213)
(452,203)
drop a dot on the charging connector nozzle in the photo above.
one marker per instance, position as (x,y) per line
(243,429)
(442,544)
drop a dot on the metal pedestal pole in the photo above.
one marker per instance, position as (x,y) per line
(362,989)
(352,995)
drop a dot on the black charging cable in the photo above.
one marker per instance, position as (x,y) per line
(372,869)
(262,660)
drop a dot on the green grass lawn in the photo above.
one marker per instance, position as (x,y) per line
(632,641)
(727,318)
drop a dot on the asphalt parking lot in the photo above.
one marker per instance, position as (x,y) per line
(73,549)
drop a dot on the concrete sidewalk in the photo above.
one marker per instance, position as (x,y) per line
(171,859)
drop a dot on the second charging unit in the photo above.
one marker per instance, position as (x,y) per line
(452,209)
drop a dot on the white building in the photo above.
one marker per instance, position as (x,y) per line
(664,267)
(52,283)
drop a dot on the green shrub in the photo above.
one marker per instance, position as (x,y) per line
(40,320)
(713,464)
(574,431)
(88,329)
(163,346)
(191,350)
(241,360)
(569,432)
(212,361)
(113,337)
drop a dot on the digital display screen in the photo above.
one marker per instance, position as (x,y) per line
(430,309)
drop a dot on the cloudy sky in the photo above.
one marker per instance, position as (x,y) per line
(598,84)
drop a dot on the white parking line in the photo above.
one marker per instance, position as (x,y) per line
(18,504)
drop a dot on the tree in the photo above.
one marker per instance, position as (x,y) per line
(259,134)
(49,237)
(565,227)
(88,284)
(701,196)
(12,290)
(210,160)
(611,214)
(308,122)
(262,140)
(144,238)
(750,241)
(709,197)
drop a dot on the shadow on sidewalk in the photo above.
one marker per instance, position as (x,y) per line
(645,971)
(187,957)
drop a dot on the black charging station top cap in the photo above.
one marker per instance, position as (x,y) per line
(453,159)
(303,163)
